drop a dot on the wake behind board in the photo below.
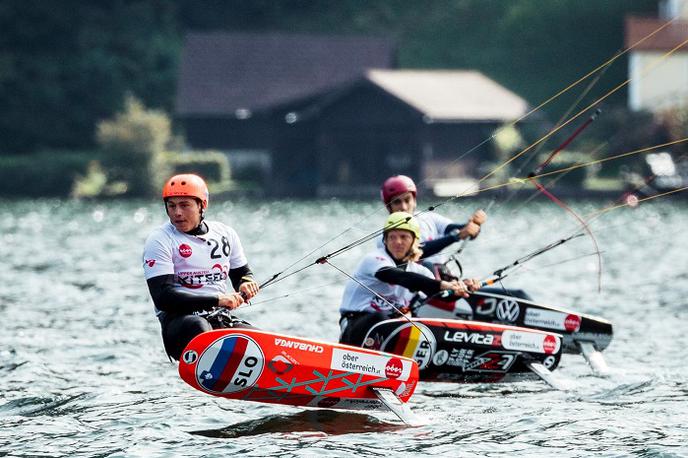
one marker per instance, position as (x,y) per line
(254,365)
(466,351)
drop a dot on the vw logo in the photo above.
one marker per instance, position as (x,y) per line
(508,310)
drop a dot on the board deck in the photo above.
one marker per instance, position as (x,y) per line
(255,365)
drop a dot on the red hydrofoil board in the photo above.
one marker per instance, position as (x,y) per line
(254,365)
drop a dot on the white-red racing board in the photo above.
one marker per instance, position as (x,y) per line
(582,334)
(254,365)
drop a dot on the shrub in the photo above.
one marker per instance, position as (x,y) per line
(621,131)
(43,174)
(571,178)
(675,121)
(132,145)
(213,166)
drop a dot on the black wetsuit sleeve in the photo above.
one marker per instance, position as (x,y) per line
(170,299)
(240,275)
(452,226)
(432,247)
(409,280)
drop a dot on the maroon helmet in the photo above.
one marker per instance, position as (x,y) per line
(396,185)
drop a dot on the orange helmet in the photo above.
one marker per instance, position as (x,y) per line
(186,185)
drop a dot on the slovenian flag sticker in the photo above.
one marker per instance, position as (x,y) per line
(230,364)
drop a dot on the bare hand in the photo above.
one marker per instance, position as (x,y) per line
(230,301)
(473,284)
(456,286)
(479,217)
(249,288)
(470,230)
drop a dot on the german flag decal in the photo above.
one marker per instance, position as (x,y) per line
(415,341)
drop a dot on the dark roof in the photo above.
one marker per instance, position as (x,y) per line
(221,73)
(640,28)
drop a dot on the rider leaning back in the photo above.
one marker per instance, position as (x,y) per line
(187,262)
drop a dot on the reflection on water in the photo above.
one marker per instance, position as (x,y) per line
(328,422)
(83,373)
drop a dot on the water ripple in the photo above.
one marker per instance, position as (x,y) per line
(84,374)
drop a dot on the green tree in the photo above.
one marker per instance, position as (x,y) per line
(65,65)
(133,144)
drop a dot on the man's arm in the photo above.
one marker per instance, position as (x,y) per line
(242,280)
(170,299)
(240,275)
(432,247)
(409,280)
(419,282)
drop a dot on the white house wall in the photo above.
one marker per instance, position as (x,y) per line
(656,85)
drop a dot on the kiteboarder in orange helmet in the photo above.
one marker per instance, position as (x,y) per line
(187,262)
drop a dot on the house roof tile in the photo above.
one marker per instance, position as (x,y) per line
(224,73)
(639,28)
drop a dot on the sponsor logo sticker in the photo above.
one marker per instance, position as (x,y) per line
(185,250)
(549,361)
(476,338)
(572,323)
(440,358)
(491,362)
(508,310)
(486,306)
(189,357)
(549,344)
(280,365)
(551,320)
(530,341)
(364,363)
(305,346)
(394,368)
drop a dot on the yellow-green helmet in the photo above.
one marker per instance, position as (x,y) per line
(402,221)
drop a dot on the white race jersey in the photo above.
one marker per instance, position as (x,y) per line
(200,263)
(358,298)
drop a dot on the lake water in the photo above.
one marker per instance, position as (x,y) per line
(83,371)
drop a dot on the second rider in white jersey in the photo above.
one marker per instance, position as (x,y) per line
(386,279)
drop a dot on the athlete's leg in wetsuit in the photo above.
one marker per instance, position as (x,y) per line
(179,330)
(355,326)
